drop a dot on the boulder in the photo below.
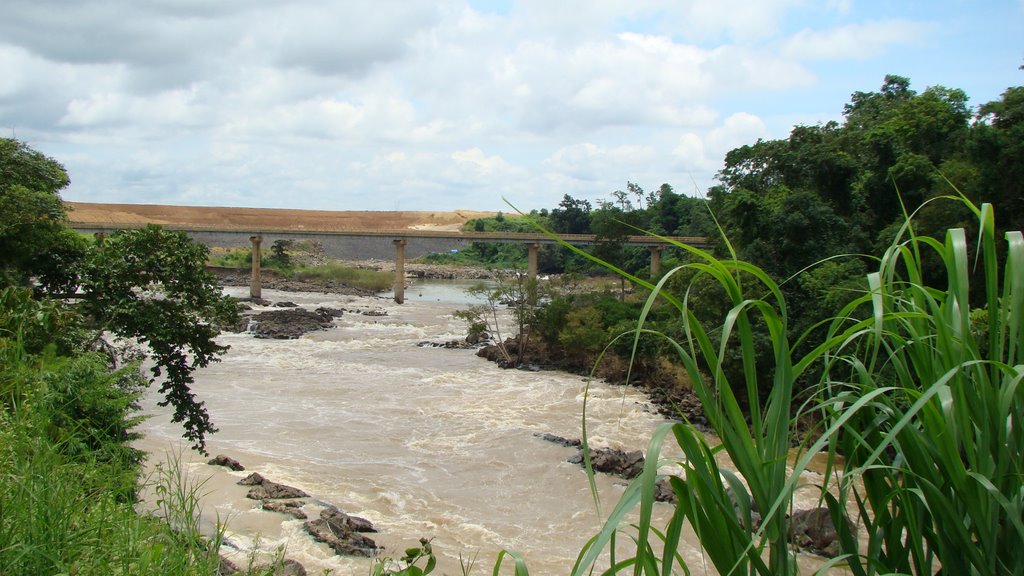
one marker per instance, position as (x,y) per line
(227,462)
(289,507)
(663,491)
(263,489)
(288,323)
(329,313)
(755,513)
(611,461)
(450,344)
(254,479)
(342,522)
(814,530)
(274,491)
(567,442)
(286,567)
(335,529)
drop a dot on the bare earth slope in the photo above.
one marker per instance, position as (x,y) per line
(256,218)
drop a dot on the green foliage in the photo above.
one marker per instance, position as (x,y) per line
(285,265)
(917,393)
(279,253)
(151,284)
(68,474)
(408,564)
(572,216)
(520,295)
(147,284)
(33,239)
(935,448)
(500,256)
(498,223)
(583,332)
(36,324)
(235,258)
(91,410)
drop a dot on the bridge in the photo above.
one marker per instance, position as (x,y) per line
(401,243)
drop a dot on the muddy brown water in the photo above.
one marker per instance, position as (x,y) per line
(423,442)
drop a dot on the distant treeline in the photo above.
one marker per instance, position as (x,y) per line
(828,189)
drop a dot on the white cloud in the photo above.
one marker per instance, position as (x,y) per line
(591,162)
(853,41)
(702,154)
(424,104)
(179,108)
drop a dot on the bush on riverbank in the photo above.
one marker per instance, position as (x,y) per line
(68,474)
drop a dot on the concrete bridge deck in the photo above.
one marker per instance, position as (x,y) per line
(237,232)
(360,244)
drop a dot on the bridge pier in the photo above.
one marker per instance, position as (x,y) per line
(655,261)
(256,281)
(399,270)
(532,249)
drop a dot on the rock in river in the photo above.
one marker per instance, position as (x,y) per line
(290,323)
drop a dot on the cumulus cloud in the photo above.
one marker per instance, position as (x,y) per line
(422,104)
(853,41)
(701,155)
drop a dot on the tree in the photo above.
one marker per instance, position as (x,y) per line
(279,252)
(996,147)
(572,216)
(517,292)
(149,284)
(33,239)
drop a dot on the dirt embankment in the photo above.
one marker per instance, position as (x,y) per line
(228,218)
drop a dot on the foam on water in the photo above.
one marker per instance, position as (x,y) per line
(424,442)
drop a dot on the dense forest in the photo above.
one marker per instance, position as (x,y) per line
(814,210)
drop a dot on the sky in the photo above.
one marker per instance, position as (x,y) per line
(456,104)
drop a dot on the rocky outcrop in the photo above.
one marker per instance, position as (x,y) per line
(814,530)
(663,491)
(263,489)
(292,508)
(226,461)
(627,465)
(449,344)
(291,323)
(342,533)
(678,403)
(567,442)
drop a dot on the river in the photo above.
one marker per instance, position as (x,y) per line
(424,442)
